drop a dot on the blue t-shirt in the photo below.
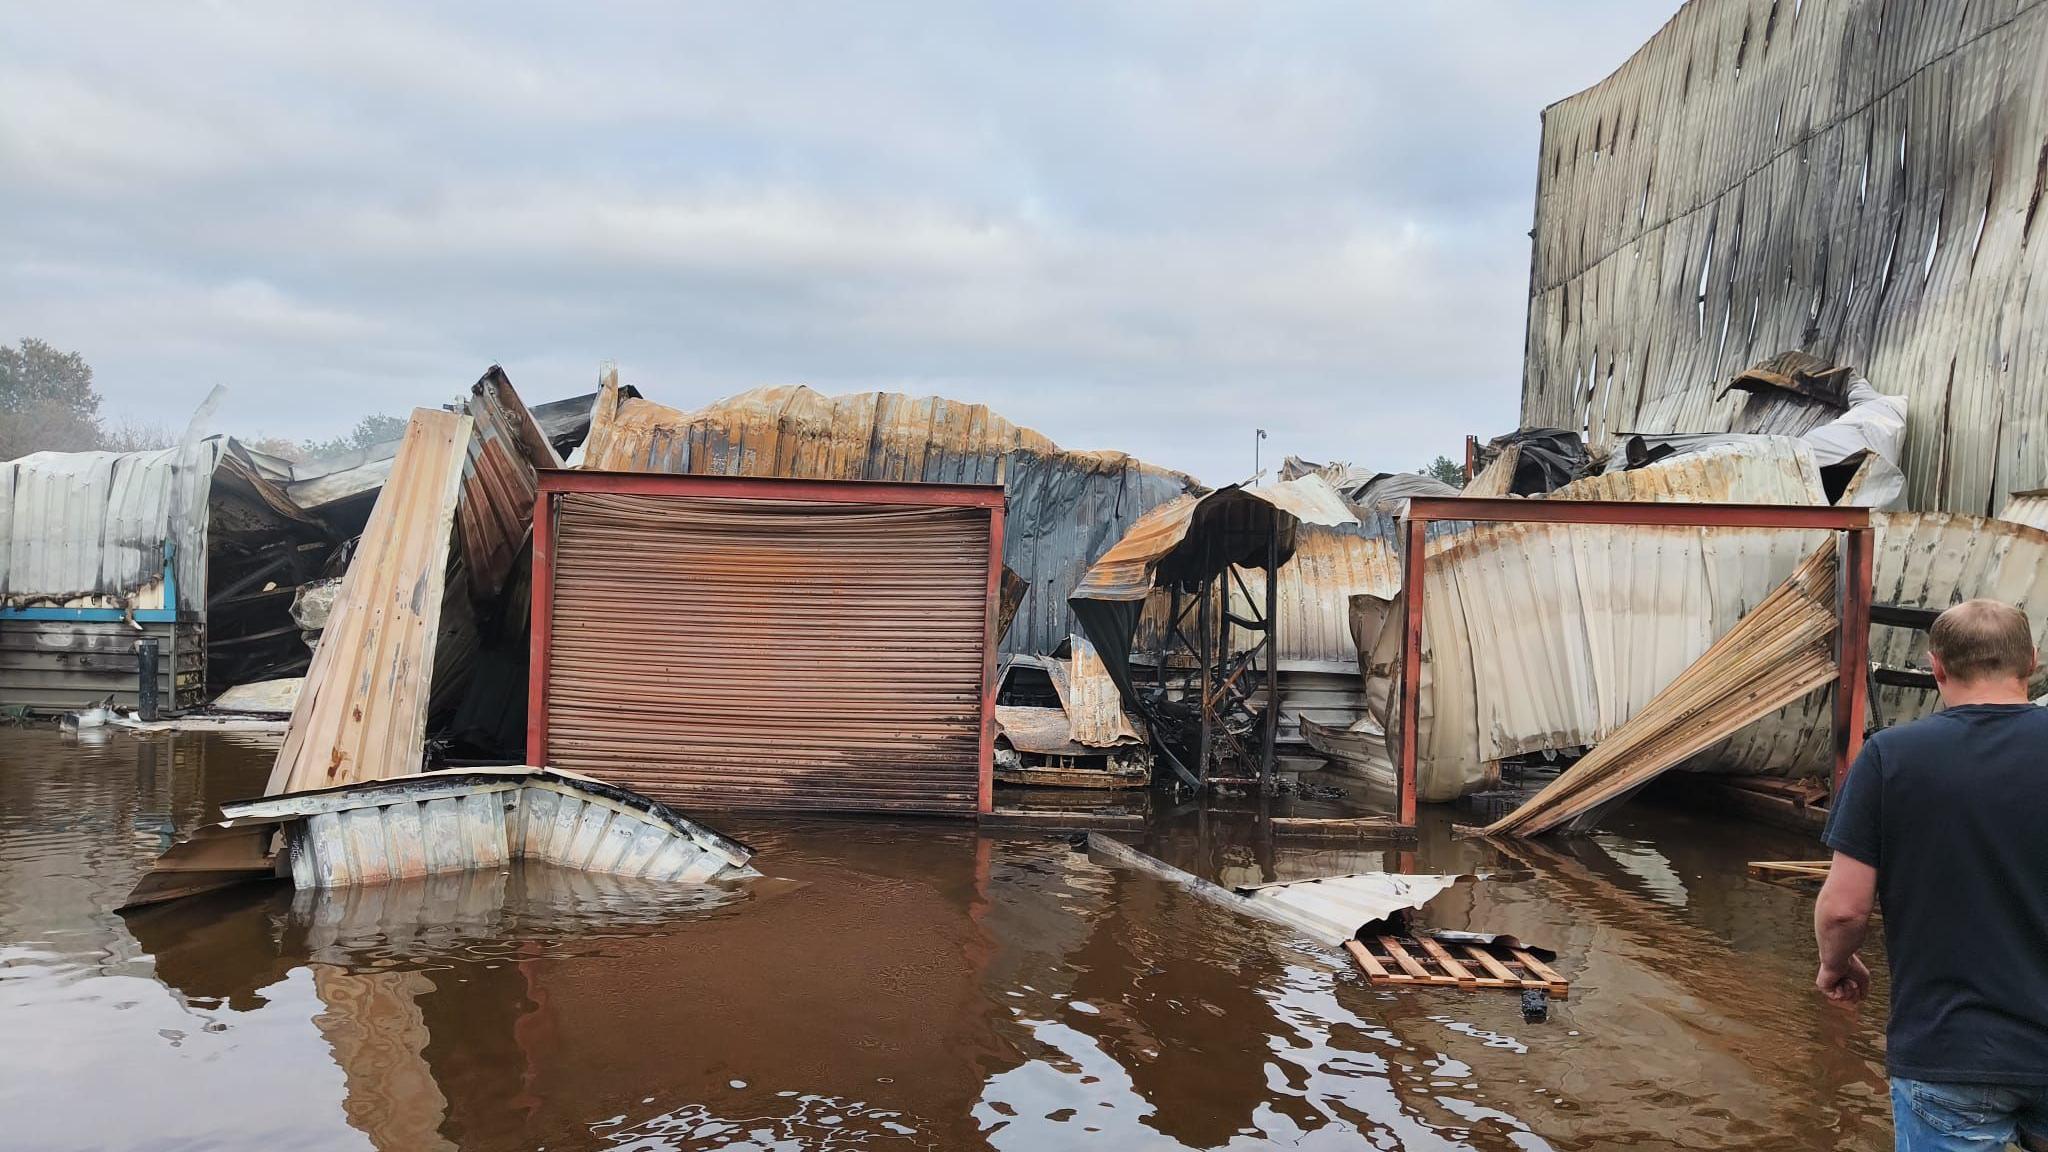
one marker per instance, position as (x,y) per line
(1952,811)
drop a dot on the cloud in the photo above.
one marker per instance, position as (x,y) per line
(1141,225)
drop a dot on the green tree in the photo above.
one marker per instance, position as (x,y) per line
(1447,470)
(47,401)
(372,429)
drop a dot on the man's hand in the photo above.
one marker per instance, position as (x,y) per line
(1841,916)
(1845,985)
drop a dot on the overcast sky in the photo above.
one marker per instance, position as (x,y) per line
(1152,227)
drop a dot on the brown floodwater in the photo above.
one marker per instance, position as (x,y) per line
(906,984)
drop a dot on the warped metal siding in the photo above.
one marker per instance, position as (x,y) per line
(90,529)
(2029,508)
(760,653)
(1329,566)
(362,714)
(1860,180)
(1547,636)
(498,483)
(483,819)
(1065,508)
(1924,560)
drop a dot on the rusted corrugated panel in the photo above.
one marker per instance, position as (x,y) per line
(362,714)
(1065,508)
(1095,712)
(1855,179)
(751,653)
(498,485)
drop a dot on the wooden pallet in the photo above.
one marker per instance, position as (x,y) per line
(1804,874)
(1419,960)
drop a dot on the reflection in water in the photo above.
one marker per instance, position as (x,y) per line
(910,984)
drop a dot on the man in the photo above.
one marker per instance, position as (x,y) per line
(1947,819)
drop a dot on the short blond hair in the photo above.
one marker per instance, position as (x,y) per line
(1983,639)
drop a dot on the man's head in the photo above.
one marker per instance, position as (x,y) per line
(1983,652)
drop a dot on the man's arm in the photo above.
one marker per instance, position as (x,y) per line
(1841,919)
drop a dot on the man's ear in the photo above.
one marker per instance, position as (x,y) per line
(1940,671)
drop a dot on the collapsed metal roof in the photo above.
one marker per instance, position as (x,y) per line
(102,529)
(1065,508)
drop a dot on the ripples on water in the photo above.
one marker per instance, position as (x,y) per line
(886,985)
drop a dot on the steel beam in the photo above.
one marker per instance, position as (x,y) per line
(1852,651)
(542,628)
(1411,669)
(992,610)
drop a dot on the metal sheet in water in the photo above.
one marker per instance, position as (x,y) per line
(913,983)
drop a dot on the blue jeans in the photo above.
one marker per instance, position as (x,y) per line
(1929,1117)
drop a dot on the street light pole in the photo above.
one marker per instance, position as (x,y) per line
(1255,454)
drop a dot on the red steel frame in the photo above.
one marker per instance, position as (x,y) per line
(553,484)
(1852,645)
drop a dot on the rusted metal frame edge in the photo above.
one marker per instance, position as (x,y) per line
(1411,668)
(1852,651)
(1854,640)
(774,488)
(1631,512)
(541,632)
(985,768)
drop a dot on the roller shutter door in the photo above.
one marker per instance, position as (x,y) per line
(770,654)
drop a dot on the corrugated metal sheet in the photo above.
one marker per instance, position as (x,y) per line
(1779,653)
(1095,712)
(1329,567)
(1541,636)
(362,714)
(2029,508)
(1329,909)
(1065,508)
(90,529)
(470,819)
(1333,909)
(1925,560)
(1760,470)
(1560,634)
(498,485)
(758,653)
(1855,179)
